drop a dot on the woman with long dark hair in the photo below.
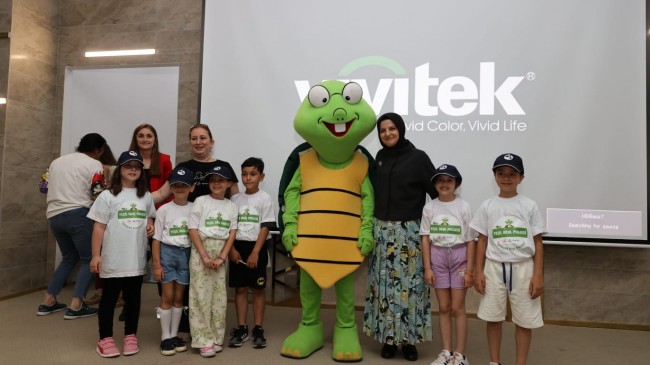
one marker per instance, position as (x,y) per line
(157,165)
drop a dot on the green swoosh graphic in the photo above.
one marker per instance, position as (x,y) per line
(372,61)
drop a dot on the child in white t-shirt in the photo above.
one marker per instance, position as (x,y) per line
(249,256)
(448,251)
(123,216)
(170,251)
(212,229)
(509,259)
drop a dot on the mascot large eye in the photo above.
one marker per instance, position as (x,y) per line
(318,96)
(352,93)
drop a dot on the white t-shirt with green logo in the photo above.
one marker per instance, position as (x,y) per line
(124,247)
(213,218)
(510,225)
(254,209)
(172,222)
(447,223)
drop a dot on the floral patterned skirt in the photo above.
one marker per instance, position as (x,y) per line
(208,297)
(398,306)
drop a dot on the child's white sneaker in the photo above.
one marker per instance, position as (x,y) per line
(444,358)
(459,359)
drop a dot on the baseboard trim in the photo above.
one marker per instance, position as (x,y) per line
(567,323)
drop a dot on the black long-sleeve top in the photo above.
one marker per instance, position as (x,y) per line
(403,178)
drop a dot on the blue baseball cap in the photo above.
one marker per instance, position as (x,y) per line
(127,156)
(221,171)
(449,170)
(511,160)
(181,175)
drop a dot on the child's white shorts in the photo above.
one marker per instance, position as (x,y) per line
(510,280)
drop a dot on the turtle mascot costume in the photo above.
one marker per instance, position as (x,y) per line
(328,213)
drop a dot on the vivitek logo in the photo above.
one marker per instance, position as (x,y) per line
(456,95)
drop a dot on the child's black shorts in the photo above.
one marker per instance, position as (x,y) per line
(239,275)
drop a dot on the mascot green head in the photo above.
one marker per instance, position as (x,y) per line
(334,118)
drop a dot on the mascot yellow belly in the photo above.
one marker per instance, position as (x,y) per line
(329,219)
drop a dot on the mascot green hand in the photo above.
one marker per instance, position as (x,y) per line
(328,218)
(366,242)
(289,237)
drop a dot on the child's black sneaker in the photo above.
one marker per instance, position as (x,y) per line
(179,345)
(239,336)
(167,347)
(259,340)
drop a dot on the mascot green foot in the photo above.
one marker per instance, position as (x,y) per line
(346,345)
(304,341)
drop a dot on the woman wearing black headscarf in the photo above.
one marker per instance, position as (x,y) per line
(398,309)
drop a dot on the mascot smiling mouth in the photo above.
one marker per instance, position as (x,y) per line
(339,129)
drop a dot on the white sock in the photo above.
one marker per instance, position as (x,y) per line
(165,322)
(176,320)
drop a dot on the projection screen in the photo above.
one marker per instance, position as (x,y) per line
(562,83)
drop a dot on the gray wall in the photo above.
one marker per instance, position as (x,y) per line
(30,118)
(584,285)
(46,37)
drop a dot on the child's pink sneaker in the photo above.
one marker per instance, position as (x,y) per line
(106,347)
(130,345)
(207,351)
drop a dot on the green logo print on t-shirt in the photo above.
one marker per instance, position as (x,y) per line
(178,230)
(131,217)
(509,231)
(445,230)
(444,227)
(247,217)
(217,221)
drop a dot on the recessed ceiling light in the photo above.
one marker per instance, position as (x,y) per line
(130,52)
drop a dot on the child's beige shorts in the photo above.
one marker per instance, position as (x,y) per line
(510,280)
